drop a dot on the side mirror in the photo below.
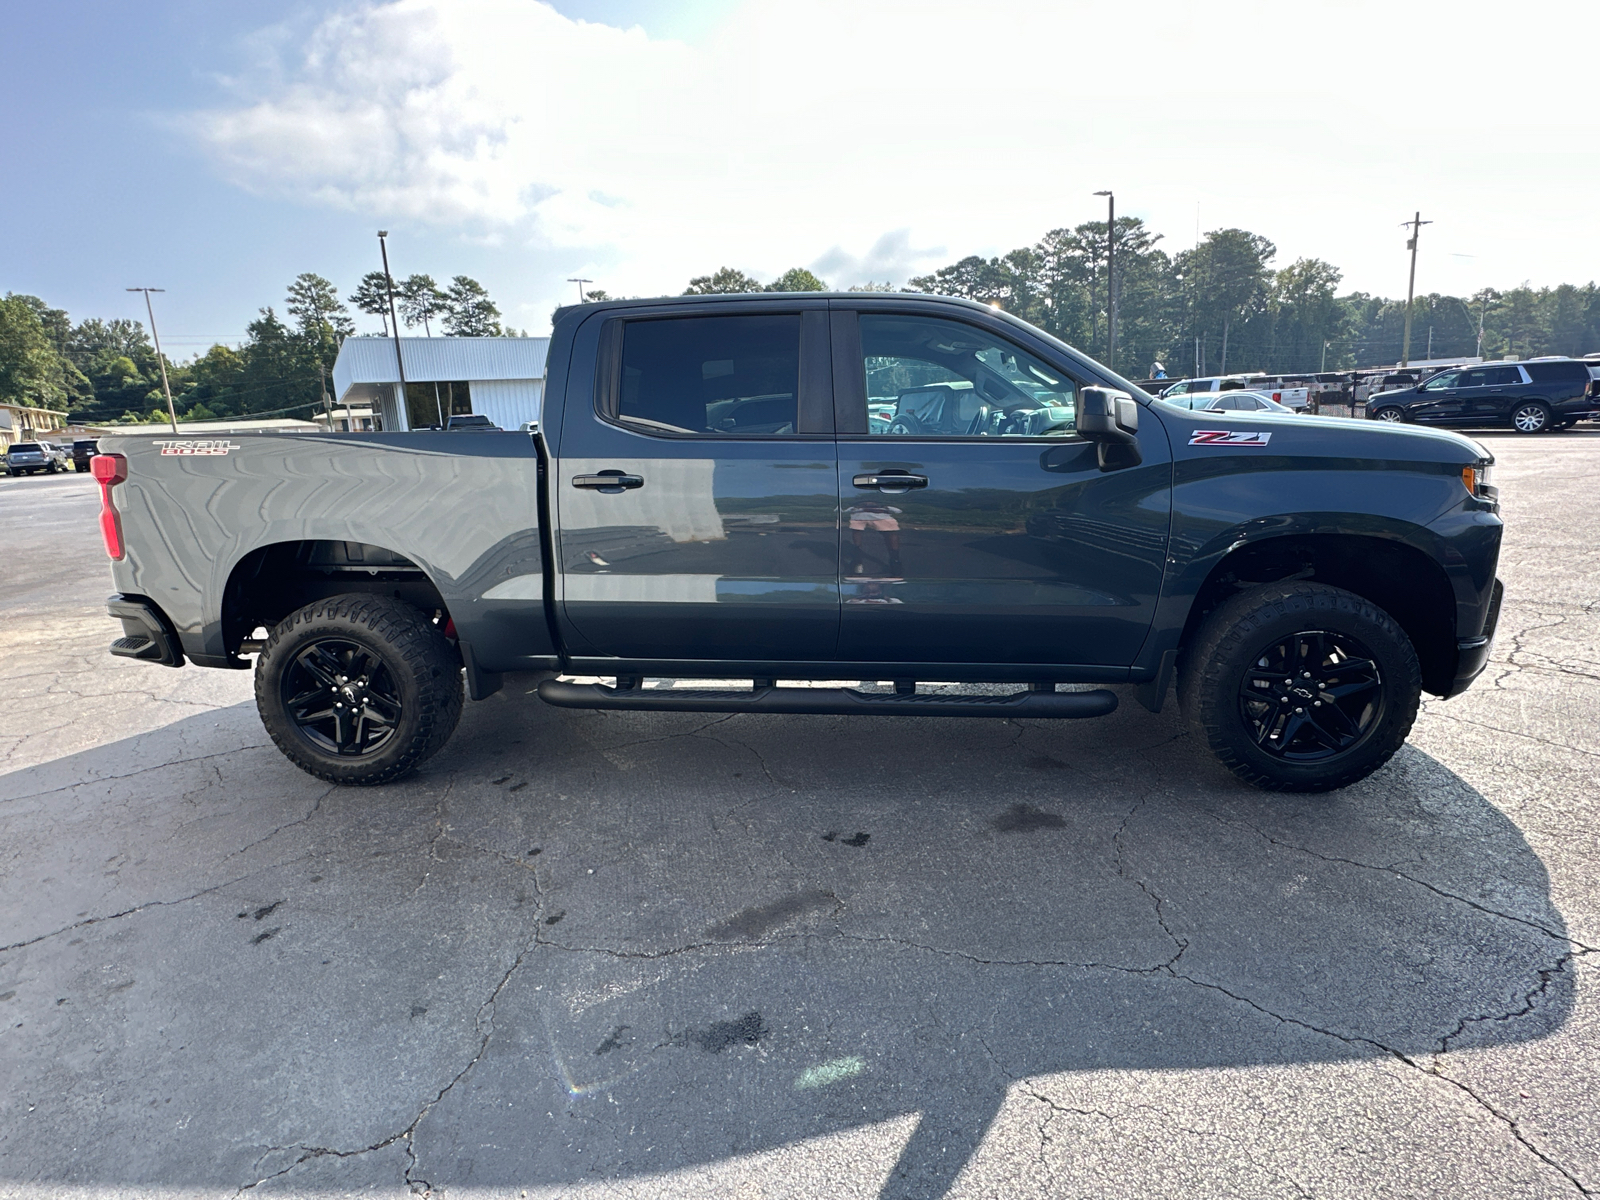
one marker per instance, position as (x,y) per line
(1110,419)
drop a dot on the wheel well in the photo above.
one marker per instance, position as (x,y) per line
(271,582)
(1400,579)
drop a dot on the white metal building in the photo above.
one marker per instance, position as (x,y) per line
(502,378)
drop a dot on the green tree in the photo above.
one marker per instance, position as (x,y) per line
(372,297)
(796,279)
(314,303)
(726,281)
(1228,283)
(421,301)
(469,311)
(31,372)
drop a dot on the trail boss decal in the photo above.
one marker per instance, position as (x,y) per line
(1228,437)
(196,446)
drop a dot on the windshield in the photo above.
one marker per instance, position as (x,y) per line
(25,448)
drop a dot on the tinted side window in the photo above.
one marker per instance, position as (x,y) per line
(927,377)
(730,376)
(1557,372)
(1501,376)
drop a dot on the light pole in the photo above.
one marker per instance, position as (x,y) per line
(172,413)
(394,324)
(1111,278)
(1415,224)
(580,283)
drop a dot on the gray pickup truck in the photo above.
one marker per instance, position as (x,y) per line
(793,489)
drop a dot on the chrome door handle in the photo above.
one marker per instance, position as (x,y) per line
(889,481)
(608,481)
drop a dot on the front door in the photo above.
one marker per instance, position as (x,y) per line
(977,527)
(1439,400)
(698,498)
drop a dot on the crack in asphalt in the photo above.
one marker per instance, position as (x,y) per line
(418,1185)
(1515,733)
(1506,1119)
(148,904)
(1399,874)
(98,779)
(1530,1000)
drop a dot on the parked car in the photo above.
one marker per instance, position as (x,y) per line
(678,516)
(1230,402)
(472,423)
(83,449)
(30,458)
(1289,392)
(1531,397)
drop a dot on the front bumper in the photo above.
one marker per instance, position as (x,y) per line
(1472,654)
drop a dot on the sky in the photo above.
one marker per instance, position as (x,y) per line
(218,148)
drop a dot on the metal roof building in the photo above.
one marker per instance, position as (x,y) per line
(501,378)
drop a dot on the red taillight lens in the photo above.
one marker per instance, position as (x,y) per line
(110,470)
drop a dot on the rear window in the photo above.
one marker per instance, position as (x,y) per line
(734,375)
(27,446)
(1557,372)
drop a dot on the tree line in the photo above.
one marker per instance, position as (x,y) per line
(1222,306)
(106,372)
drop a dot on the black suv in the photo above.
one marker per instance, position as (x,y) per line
(1531,397)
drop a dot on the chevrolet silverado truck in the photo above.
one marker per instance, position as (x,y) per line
(793,489)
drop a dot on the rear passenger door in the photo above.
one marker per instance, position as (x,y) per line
(697,494)
(977,525)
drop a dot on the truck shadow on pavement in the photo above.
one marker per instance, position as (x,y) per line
(585,946)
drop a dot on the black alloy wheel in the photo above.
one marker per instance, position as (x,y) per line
(1532,417)
(1311,695)
(1300,687)
(359,689)
(1389,414)
(342,698)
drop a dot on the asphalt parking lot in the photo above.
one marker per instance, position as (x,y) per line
(586,954)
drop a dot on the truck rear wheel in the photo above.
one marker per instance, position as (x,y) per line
(358,689)
(1300,687)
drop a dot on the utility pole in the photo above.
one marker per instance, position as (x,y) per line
(580,283)
(1482,311)
(1324,365)
(1111,278)
(1416,224)
(394,323)
(172,413)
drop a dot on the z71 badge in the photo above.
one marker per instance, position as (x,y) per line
(196,446)
(1228,437)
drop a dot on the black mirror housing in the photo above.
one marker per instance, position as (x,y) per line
(1110,419)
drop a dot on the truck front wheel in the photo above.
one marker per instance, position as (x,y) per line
(358,689)
(1300,687)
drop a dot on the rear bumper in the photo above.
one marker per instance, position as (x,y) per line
(146,633)
(1472,654)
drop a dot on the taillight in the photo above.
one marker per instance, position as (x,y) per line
(110,470)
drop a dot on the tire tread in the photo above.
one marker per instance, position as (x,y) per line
(426,655)
(1208,700)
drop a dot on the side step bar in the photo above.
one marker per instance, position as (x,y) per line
(835,701)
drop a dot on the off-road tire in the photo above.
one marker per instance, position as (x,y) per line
(422,665)
(1231,644)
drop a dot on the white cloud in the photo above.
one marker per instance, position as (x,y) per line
(800,133)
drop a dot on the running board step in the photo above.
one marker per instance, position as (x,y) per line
(836,701)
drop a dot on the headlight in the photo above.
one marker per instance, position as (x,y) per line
(1476,480)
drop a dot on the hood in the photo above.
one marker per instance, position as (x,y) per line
(1336,436)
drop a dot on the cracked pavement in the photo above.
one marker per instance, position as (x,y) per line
(640,955)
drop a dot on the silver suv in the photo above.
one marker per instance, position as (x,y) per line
(28,458)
